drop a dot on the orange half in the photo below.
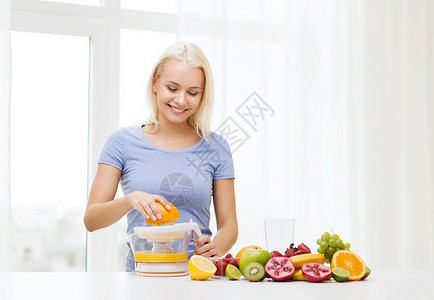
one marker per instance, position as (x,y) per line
(166,215)
(349,261)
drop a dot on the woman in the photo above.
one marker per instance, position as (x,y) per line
(173,158)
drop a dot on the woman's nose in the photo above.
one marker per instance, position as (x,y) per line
(181,98)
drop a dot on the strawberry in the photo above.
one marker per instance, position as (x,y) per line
(293,251)
(221,267)
(304,248)
(275,253)
(290,251)
(231,260)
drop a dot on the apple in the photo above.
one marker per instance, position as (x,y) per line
(254,255)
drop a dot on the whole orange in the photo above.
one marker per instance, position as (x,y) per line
(245,248)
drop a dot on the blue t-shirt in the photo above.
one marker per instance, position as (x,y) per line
(184,177)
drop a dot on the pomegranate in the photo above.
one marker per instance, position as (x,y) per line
(315,272)
(279,268)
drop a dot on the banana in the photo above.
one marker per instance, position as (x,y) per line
(298,275)
(301,259)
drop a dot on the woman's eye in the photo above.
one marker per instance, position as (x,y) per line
(193,94)
(171,89)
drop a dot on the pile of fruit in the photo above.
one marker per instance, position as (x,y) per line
(329,244)
(297,263)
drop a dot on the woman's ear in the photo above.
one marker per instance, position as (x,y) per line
(154,84)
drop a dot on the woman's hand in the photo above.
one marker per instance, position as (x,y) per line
(227,226)
(145,204)
(205,247)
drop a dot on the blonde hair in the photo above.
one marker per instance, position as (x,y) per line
(193,56)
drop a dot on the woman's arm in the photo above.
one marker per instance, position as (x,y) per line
(103,211)
(226,217)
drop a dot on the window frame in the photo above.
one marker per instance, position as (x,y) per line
(102,24)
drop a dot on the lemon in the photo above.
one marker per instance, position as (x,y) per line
(200,268)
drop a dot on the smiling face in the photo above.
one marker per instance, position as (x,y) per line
(179,90)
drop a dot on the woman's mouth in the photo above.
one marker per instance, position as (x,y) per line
(176,110)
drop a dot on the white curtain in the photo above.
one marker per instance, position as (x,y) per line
(5,9)
(343,128)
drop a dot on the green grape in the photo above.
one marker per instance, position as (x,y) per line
(324,245)
(331,251)
(329,244)
(325,236)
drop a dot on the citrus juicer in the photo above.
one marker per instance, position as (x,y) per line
(161,249)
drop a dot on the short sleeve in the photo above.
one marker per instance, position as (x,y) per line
(225,165)
(113,151)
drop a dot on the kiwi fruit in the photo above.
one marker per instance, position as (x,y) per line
(368,271)
(254,271)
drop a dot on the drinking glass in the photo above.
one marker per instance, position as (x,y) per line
(279,234)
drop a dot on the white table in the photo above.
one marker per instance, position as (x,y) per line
(380,285)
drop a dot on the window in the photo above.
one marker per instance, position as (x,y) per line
(79,72)
(49,142)
(163,6)
(82,2)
